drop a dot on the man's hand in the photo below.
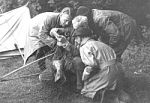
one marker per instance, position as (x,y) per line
(86,73)
(53,32)
(61,39)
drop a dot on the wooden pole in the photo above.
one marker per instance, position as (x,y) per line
(24,66)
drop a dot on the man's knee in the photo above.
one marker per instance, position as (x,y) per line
(77,60)
(78,64)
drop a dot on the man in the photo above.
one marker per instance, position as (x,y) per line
(39,38)
(72,62)
(101,70)
(111,27)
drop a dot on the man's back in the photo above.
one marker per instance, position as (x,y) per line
(42,18)
(114,28)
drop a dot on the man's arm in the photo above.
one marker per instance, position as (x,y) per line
(44,29)
(113,32)
(46,39)
(61,31)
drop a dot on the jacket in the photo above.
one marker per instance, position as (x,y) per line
(39,32)
(113,28)
(102,59)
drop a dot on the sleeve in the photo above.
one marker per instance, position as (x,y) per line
(112,31)
(88,56)
(44,36)
(100,32)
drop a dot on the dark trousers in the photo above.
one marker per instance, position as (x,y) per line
(48,73)
(78,68)
(41,52)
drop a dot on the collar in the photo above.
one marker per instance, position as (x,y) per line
(84,41)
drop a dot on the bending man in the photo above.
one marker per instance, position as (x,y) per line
(39,38)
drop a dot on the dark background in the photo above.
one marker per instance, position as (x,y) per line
(136,58)
(138,9)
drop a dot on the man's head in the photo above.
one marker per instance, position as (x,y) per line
(83,10)
(66,16)
(64,19)
(80,24)
(80,21)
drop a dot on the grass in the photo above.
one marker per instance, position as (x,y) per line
(136,61)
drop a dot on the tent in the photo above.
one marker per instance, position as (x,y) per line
(14,27)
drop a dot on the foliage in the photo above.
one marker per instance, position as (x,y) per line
(138,9)
(6,5)
(136,57)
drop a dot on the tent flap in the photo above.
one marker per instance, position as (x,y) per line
(14,26)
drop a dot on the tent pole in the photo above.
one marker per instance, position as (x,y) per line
(17,47)
(19,51)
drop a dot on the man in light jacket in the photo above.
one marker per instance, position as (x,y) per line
(39,39)
(101,70)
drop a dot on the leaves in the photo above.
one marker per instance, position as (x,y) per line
(136,58)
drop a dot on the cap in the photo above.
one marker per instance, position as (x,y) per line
(83,10)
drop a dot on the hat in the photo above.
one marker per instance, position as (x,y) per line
(82,32)
(82,10)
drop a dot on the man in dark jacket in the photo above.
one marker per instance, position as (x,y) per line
(111,27)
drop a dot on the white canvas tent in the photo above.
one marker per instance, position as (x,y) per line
(14,27)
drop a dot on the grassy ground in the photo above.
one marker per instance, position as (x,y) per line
(30,90)
(136,61)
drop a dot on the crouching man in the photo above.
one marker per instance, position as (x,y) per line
(40,41)
(101,68)
(72,62)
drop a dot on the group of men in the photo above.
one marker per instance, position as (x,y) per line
(89,43)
